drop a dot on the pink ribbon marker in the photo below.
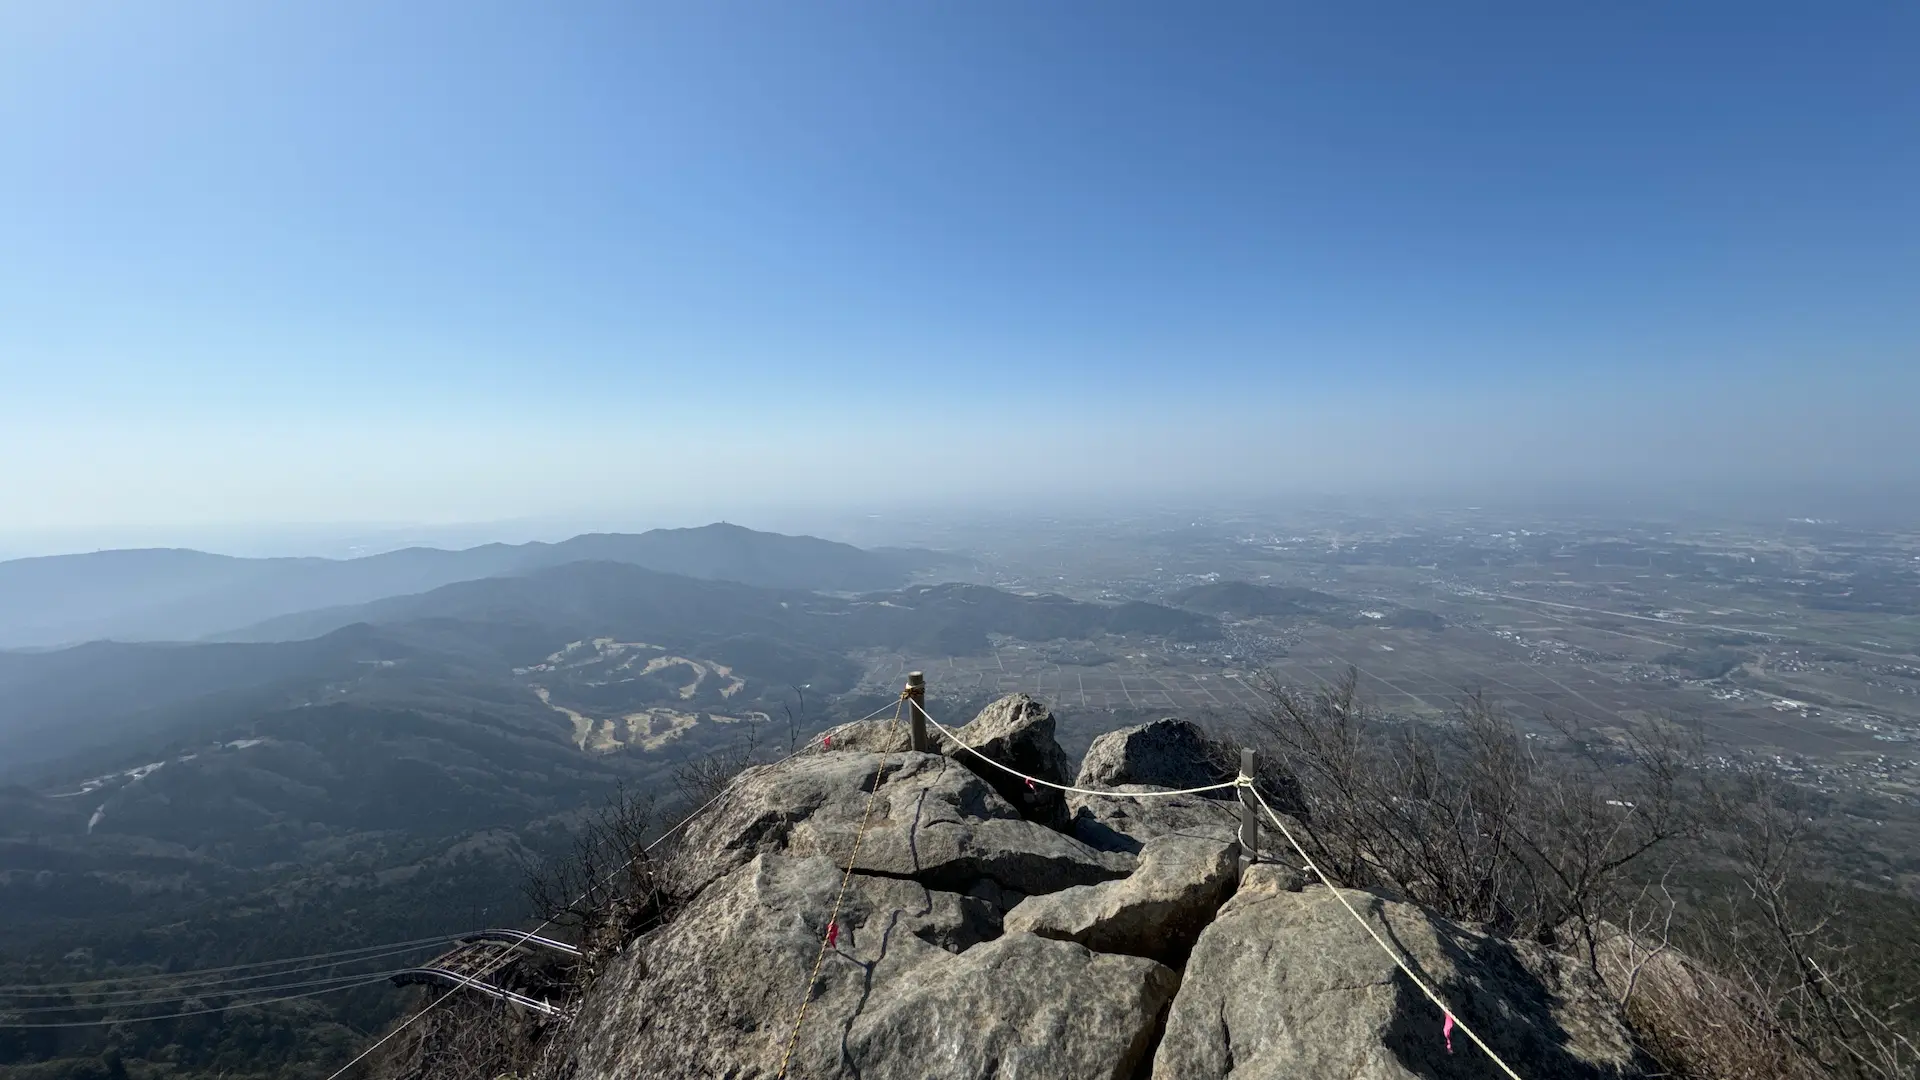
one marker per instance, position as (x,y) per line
(826,740)
(1029,785)
(833,937)
(1446,1031)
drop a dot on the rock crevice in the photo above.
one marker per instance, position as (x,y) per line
(995,933)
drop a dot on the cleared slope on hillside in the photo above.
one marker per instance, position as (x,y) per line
(468,638)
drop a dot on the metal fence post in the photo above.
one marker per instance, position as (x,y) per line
(916,706)
(1249,815)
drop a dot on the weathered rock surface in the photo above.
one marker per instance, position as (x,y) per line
(1156,912)
(1285,985)
(1017,732)
(1176,755)
(715,992)
(868,737)
(932,821)
(1169,753)
(1111,823)
(1021,1006)
(1270,877)
(974,942)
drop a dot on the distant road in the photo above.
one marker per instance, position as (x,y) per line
(1645,618)
(1693,626)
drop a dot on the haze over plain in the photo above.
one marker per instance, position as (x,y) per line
(447,262)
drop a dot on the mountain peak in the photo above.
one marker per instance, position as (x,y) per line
(969,933)
(178,594)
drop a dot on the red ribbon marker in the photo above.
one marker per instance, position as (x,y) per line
(826,740)
(1446,1030)
(833,936)
(1029,785)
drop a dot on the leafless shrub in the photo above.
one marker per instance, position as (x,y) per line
(1572,837)
(606,889)
(699,780)
(1690,1018)
(1779,938)
(798,719)
(466,1038)
(1530,834)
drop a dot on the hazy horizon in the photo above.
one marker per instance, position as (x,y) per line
(465,267)
(904,521)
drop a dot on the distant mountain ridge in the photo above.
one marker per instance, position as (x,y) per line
(592,597)
(466,639)
(162,594)
(393,775)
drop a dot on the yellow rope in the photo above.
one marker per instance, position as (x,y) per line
(505,956)
(833,918)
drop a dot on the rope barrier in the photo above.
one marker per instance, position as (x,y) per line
(1239,782)
(231,984)
(892,723)
(944,730)
(501,961)
(482,974)
(833,917)
(371,980)
(830,935)
(194,993)
(1392,953)
(18,989)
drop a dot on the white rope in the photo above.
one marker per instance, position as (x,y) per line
(505,956)
(1392,953)
(204,1012)
(944,730)
(894,705)
(19,989)
(1246,782)
(202,992)
(228,984)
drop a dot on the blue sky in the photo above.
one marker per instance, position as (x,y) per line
(459,261)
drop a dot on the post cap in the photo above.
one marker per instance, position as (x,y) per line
(915,678)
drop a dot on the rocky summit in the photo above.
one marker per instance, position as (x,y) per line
(986,934)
